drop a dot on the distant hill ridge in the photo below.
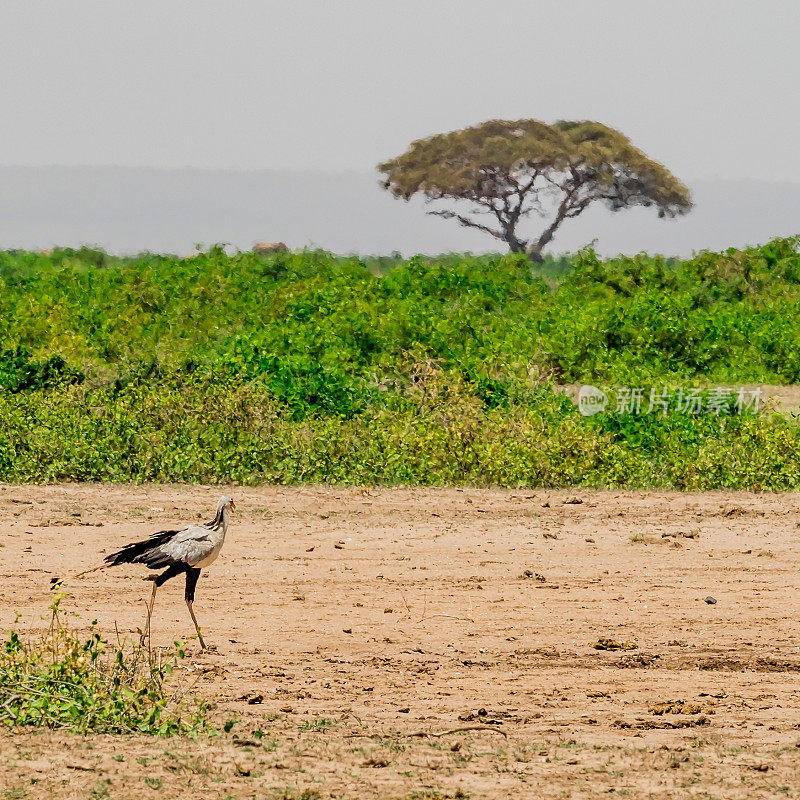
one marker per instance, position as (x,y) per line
(129,209)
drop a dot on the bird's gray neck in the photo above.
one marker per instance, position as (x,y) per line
(221,520)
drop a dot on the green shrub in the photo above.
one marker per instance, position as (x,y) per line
(437,430)
(86,685)
(19,372)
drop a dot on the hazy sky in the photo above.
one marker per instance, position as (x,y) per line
(709,88)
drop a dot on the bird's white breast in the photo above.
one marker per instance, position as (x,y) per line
(209,559)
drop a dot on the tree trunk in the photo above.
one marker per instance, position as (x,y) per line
(535,254)
(535,249)
(514,245)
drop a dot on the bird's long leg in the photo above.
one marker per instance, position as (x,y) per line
(146,632)
(174,570)
(192,576)
(197,627)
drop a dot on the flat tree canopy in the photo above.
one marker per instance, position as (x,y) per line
(511,169)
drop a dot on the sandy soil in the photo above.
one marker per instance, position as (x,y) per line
(361,629)
(772,397)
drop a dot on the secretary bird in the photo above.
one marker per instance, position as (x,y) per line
(187,550)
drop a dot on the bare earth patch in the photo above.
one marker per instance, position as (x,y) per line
(773,397)
(435,643)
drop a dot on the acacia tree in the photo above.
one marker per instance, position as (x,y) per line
(509,170)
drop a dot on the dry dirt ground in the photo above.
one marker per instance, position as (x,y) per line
(772,397)
(435,643)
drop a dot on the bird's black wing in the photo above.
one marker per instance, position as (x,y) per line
(148,552)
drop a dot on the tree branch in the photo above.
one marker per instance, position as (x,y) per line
(468,223)
(564,207)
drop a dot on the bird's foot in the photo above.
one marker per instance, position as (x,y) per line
(144,635)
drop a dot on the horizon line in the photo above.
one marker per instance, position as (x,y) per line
(318,170)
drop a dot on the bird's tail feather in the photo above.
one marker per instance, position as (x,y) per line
(56,582)
(145,552)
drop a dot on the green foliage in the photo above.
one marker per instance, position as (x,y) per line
(63,681)
(304,367)
(19,372)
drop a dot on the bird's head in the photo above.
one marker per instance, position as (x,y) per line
(226,502)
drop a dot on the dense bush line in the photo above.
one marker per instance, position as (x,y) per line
(729,317)
(237,431)
(304,367)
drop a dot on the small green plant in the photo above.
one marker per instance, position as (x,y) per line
(316,725)
(229,723)
(65,681)
(290,793)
